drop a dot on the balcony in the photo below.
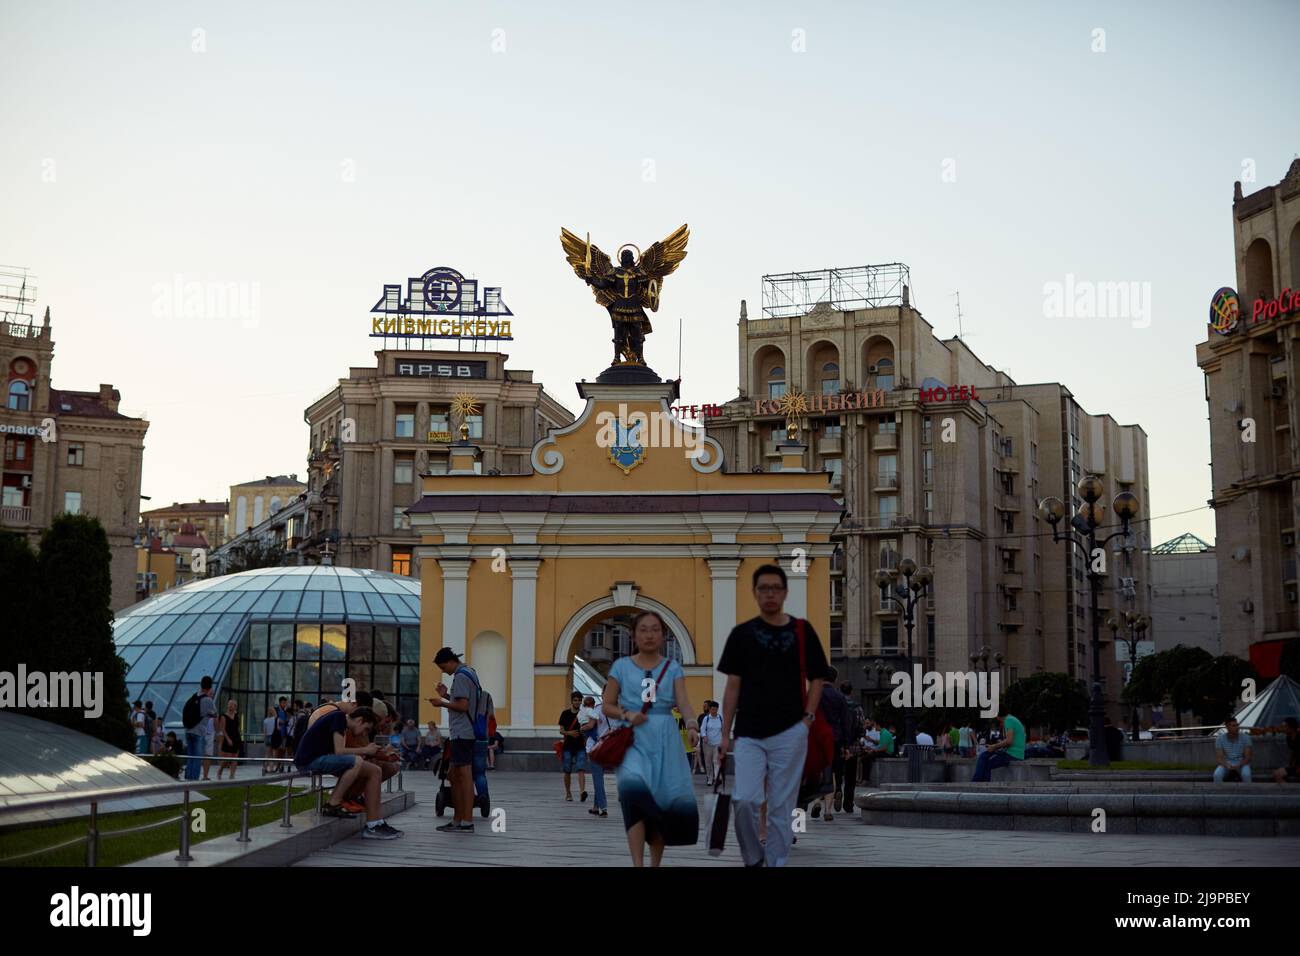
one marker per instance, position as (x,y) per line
(15,516)
(1014,580)
(884,441)
(1009,463)
(1008,502)
(1014,618)
(886,481)
(829,445)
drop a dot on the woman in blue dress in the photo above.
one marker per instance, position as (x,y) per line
(654,780)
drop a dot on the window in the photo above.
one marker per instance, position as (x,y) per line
(76,454)
(889,637)
(889,553)
(885,374)
(405,424)
(438,467)
(401,521)
(927,430)
(929,505)
(1009,522)
(837,636)
(887,426)
(830,378)
(72,502)
(833,431)
(837,595)
(888,510)
(20,396)
(1009,600)
(403,470)
(887,471)
(439,426)
(1009,561)
(776,382)
(12,497)
(832,465)
(1033,452)
(475,423)
(927,466)
(402,561)
(257,510)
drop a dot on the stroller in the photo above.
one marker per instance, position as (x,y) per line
(444,798)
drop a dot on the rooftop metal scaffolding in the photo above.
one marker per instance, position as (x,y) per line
(856,287)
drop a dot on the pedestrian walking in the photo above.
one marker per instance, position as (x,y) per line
(711,736)
(852,750)
(767,660)
(654,782)
(230,739)
(574,753)
(594,728)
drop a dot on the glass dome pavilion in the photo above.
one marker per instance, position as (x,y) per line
(295,632)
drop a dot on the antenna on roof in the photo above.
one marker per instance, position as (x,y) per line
(957,294)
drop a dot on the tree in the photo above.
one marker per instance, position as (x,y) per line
(19,582)
(1052,700)
(254,554)
(75,623)
(1217,686)
(1168,676)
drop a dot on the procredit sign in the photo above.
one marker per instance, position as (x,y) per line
(1225,312)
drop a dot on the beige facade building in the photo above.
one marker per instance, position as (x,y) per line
(208,518)
(1251,370)
(66,451)
(1185,595)
(382,428)
(939,457)
(253,502)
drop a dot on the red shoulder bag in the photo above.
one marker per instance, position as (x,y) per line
(612,748)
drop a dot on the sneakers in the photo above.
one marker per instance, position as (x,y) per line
(329,810)
(839,802)
(454,827)
(594,812)
(353,806)
(604,813)
(583,796)
(381,832)
(568,797)
(816,810)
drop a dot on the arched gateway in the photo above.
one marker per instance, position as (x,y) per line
(557,561)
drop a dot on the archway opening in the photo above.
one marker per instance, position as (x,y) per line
(603,639)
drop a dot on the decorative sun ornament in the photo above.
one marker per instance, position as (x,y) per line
(464,405)
(793,404)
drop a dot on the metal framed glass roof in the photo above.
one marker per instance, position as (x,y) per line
(171,641)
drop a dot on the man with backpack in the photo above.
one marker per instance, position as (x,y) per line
(466,705)
(196,715)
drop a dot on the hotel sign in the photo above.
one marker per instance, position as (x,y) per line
(441,304)
(954,393)
(842,402)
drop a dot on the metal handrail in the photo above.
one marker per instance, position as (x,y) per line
(96,797)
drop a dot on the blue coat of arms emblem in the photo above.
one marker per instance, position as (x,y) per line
(628,451)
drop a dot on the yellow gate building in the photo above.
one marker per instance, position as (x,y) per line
(626,509)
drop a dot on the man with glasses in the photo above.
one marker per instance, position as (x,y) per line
(764,699)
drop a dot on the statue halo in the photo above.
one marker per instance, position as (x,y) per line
(618,256)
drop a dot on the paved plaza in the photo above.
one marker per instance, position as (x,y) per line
(541,829)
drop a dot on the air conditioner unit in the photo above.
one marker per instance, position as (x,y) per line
(1277,391)
(871,370)
(1288,539)
(27,481)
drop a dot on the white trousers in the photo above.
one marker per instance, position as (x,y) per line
(768,768)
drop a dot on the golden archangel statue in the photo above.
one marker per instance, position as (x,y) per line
(628,288)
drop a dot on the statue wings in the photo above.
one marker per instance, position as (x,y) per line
(660,260)
(576,251)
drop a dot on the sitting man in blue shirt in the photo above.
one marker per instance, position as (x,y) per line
(324,750)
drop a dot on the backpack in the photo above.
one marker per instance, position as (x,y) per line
(857,721)
(190,715)
(478,720)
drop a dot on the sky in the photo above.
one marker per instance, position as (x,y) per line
(304,154)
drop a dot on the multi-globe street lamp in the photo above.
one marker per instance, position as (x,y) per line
(907,594)
(1135,625)
(1090,516)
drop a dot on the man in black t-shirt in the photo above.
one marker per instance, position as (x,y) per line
(323,749)
(764,698)
(574,754)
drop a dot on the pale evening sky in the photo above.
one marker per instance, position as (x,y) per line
(312,152)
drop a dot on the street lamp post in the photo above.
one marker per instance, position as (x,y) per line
(1135,625)
(916,581)
(1085,523)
